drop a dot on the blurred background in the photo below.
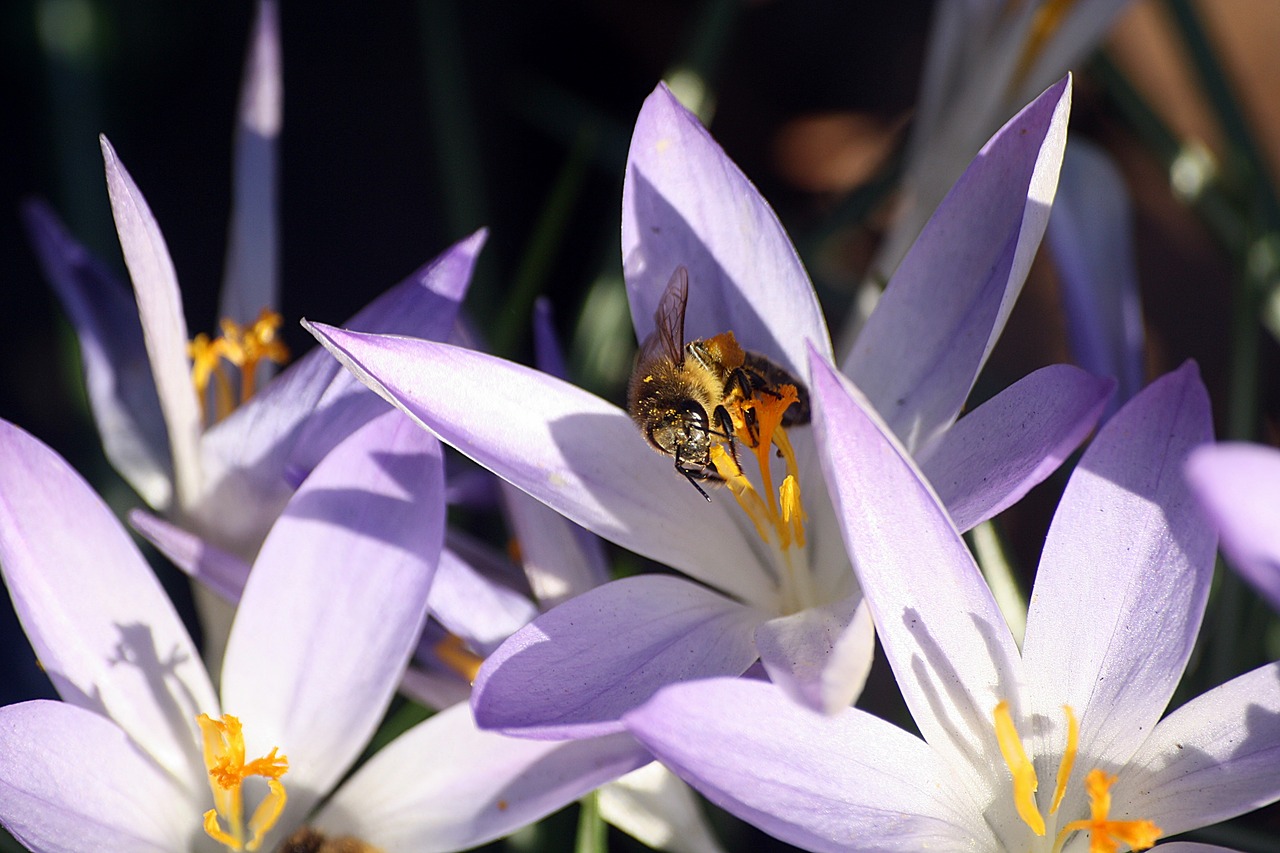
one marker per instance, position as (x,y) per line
(410,123)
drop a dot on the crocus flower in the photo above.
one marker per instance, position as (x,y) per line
(984,61)
(228,479)
(142,754)
(782,589)
(1057,746)
(474,605)
(1239,486)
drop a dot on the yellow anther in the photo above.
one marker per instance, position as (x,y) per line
(224,758)
(1024,774)
(245,348)
(1068,758)
(1105,835)
(457,657)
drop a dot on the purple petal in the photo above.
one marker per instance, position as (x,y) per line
(71,780)
(223,573)
(335,603)
(423,306)
(571,450)
(560,559)
(1124,574)
(1209,761)
(993,456)
(685,203)
(256,457)
(164,329)
(1091,234)
(117,374)
(924,345)
(1239,487)
(253,267)
(949,647)
(821,656)
(446,785)
(656,808)
(103,629)
(823,783)
(574,671)
(475,608)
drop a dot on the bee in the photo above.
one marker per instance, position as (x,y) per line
(680,393)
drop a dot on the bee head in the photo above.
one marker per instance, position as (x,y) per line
(684,432)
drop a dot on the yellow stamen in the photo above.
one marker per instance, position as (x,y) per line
(1068,758)
(1105,835)
(758,424)
(1024,774)
(245,348)
(748,498)
(224,758)
(457,657)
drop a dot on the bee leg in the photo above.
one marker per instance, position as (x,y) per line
(725,420)
(693,475)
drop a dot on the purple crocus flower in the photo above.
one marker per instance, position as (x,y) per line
(1239,486)
(143,754)
(790,600)
(1031,749)
(231,478)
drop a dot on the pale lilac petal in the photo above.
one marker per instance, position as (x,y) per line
(655,807)
(560,559)
(580,455)
(72,781)
(434,688)
(164,329)
(1213,759)
(1124,575)
(1239,486)
(685,203)
(423,306)
(574,671)
(820,656)
(824,783)
(1075,34)
(924,345)
(475,608)
(223,573)
(942,633)
(103,629)
(1091,234)
(445,785)
(117,374)
(993,455)
(252,279)
(335,603)
(255,458)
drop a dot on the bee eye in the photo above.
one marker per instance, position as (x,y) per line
(694,414)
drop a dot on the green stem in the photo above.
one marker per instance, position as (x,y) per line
(593,835)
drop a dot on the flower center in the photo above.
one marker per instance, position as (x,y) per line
(779,516)
(225,761)
(241,347)
(1105,835)
(308,840)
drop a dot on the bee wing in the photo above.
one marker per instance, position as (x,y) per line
(667,337)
